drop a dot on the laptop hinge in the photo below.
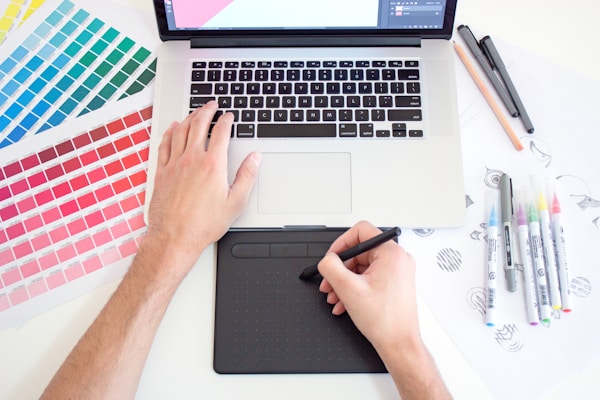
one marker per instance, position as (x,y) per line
(306,41)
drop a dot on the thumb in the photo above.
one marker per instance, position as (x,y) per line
(335,273)
(245,179)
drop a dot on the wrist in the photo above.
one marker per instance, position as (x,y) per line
(165,257)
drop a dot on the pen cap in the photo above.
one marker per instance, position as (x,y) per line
(506,197)
(521,204)
(491,52)
(539,196)
(492,209)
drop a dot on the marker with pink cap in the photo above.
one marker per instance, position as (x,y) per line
(558,233)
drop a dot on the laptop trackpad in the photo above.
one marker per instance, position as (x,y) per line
(305,183)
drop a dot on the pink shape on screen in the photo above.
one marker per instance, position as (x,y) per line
(194,13)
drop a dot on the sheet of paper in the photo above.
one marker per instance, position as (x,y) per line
(70,58)
(71,207)
(515,359)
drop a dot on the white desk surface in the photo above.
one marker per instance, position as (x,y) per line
(179,365)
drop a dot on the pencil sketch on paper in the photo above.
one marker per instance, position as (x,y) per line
(581,287)
(449,260)
(476,235)
(492,178)
(540,150)
(469,201)
(476,299)
(579,191)
(424,232)
(509,338)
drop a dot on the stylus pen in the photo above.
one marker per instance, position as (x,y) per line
(497,63)
(472,44)
(360,248)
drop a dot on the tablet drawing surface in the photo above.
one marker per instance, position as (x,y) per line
(267,320)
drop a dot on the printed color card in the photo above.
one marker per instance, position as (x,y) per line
(14,13)
(71,207)
(64,62)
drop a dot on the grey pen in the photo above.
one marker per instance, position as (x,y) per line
(496,61)
(506,206)
(472,44)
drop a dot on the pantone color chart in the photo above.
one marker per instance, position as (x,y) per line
(65,62)
(71,204)
(14,13)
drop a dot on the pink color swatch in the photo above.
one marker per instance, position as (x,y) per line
(72,208)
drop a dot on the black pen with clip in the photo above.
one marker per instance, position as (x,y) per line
(496,62)
(482,59)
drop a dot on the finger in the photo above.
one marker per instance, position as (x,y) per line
(338,309)
(325,286)
(200,125)
(179,136)
(164,149)
(359,233)
(244,181)
(332,298)
(342,280)
(221,134)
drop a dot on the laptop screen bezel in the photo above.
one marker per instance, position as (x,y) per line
(343,35)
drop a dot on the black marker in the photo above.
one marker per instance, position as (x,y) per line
(483,61)
(360,248)
(497,63)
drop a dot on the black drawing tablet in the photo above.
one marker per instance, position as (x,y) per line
(267,320)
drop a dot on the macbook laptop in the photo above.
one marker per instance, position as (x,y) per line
(351,103)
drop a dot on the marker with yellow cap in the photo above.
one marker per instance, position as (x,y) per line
(548,246)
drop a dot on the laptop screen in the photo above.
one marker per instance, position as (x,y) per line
(184,19)
(305,14)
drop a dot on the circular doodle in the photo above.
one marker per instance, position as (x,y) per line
(476,299)
(424,232)
(492,178)
(581,287)
(449,260)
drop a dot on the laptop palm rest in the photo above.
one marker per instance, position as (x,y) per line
(305,183)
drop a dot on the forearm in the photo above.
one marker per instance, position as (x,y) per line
(414,371)
(108,360)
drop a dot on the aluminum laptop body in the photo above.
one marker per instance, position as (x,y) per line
(400,172)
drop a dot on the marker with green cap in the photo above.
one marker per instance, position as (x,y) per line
(538,264)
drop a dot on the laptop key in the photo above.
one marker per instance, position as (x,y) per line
(404,115)
(196,102)
(408,101)
(245,130)
(295,130)
(201,88)
(366,130)
(348,130)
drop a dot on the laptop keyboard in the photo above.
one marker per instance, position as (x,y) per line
(325,98)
